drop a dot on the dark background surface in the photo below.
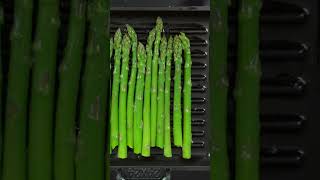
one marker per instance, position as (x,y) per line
(159,3)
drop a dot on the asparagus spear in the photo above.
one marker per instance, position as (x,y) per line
(14,154)
(247,92)
(132,84)
(1,86)
(167,131)
(146,104)
(138,123)
(161,81)
(219,84)
(42,93)
(187,130)
(111,47)
(114,138)
(154,77)
(177,124)
(122,151)
(69,76)
(90,159)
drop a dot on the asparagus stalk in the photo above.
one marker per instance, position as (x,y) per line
(90,159)
(161,81)
(111,47)
(1,86)
(187,130)
(146,140)
(167,130)
(132,84)
(219,84)
(247,92)
(154,77)
(138,123)
(122,151)
(177,124)
(114,117)
(14,154)
(69,76)
(42,95)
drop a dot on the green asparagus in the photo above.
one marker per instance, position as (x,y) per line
(114,118)
(177,115)
(154,77)
(219,85)
(167,130)
(15,156)
(64,149)
(1,86)
(90,155)
(247,93)
(42,92)
(187,130)
(126,47)
(132,84)
(138,122)
(161,81)
(146,105)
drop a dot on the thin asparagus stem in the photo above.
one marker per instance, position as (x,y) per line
(167,103)
(219,84)
(154,77)
(247,93)
(146,140)
(177,115)
(187,130)
(126,44)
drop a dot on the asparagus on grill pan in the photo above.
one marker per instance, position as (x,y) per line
(219,86)
(42,92)
(138,123)
(187,131)
(161,81)
(15,130)
(154,77)
(177,116)
(146,102)
(69,77)
(126,44)
(114,117)
(167,102)
(131,86)
(247,92)
(90,155)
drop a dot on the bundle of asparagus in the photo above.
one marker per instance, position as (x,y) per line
(140,117)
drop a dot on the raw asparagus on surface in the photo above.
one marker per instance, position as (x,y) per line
(91,144)
(131,86)
(69,77)
(15,130)
(114,117)
(161,81)
(154,84)
(146,140)
(167,102)
(177,115)
(126,48)
(187,130)
(247,93)
(42,91)
(219,85)
(138,109)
